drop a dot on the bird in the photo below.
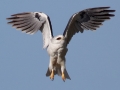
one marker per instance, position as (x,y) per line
(56,46)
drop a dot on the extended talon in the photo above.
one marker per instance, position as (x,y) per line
(52,75)
(63,77)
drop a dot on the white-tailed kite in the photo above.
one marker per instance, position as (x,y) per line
(31,22)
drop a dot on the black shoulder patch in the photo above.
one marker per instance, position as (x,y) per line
(37,16)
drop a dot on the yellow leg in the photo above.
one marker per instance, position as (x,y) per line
(52,75)
(63,77)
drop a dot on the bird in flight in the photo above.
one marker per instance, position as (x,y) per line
(56,46)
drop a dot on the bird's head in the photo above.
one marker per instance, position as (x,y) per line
(59,39)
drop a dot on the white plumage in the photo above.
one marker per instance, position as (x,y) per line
(31,22)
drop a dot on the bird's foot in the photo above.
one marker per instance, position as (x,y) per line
(52,75)
(63,77)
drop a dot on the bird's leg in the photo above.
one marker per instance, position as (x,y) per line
(52,75)
(63,76)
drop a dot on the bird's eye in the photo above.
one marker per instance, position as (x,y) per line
(58,38)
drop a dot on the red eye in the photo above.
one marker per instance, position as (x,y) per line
(58,38)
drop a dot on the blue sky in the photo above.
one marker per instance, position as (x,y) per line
(93,59)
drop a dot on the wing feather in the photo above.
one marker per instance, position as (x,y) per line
(88,19)
(31,22)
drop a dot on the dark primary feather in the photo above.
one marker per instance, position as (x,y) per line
(21,14)
(88,19)
(27,22)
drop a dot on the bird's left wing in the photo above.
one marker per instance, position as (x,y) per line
(31,22)
(89,19)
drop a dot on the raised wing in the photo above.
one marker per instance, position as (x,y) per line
(89,19)
(31,22)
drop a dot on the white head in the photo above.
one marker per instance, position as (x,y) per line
(58,39)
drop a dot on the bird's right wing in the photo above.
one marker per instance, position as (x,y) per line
(88,19)
(31,22)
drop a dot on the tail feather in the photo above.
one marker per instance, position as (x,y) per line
(48,72)
(56,71)
(66,74)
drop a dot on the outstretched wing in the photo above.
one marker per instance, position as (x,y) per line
(31,22)
(89,19)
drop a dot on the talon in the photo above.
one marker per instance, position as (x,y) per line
(52,75)
(63,77)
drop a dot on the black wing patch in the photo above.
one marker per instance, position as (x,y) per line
(37,16)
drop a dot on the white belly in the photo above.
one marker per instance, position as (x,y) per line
(55,49)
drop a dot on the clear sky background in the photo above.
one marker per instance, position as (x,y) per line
(93,59)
